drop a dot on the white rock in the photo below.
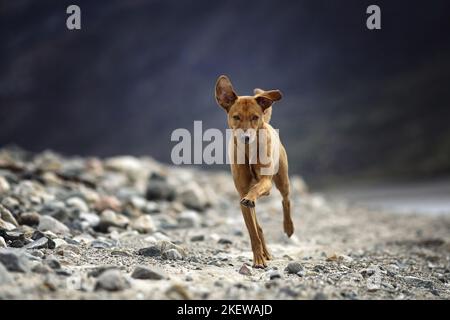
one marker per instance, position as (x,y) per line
(6,225)
(2,243)
(138,202)
(189,219)
(112,280)
(109,218)
(193,196)
(91,218)
(161,237)
(172,254)
(4,185)
(78,203)
(7,216)
(143,224)
(59,242)
(48,223)
(126,164)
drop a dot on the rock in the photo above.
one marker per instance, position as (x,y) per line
(100,244)
(37,235)
(320,296)
(188,219)
(198,238)
(6,225)
(143,224)
(2,243)
(5,277)
(193,196)
(17,244)
(109,218)
(41,269)
(106,202)
(37,253)
(418,282)
(120,253)
(245,270)
(177,291)
(345,259)
(319,268)
(152,251)
(12,235)
(159,189)
(29,218)
(77,203)
(392,270)
(172,254)
(55,209)
(127,164)
(52,262)
(7,216)
(59,242)
(374,281)
(4,185)
(112,280)
(91,219)
(138,202)
(14,261)
(41,243)
(97,271)
(11,203)
(274,274)
(48,223)
(224,241)
(294,268)
(146,273)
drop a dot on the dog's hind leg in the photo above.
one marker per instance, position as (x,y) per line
(281,180)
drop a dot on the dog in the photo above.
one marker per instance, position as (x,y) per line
(247,117)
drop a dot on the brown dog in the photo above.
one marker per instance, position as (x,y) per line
(248,115)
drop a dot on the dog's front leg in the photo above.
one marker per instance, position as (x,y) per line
(262,187)
(257,243)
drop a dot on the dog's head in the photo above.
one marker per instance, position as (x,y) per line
(247,113)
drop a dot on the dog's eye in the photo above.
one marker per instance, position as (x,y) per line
(255,118)
(236,118)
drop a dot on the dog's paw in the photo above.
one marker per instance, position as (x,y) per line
(288,227)
(248,203)
(259,262)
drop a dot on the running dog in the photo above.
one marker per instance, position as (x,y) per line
(248,117)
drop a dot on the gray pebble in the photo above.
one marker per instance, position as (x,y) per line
(142,272)
(112,280)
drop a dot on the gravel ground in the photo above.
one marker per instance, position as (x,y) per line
(132,228)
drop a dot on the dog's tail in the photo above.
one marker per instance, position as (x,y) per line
(268,111)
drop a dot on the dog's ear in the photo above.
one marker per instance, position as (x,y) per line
(266,98)
(225,94)
(257,91)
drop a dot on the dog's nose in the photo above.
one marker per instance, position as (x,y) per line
(246,139)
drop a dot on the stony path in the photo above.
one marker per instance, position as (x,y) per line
(132,228)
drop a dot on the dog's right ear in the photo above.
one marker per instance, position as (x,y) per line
(225,94)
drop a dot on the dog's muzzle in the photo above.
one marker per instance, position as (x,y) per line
(247,137)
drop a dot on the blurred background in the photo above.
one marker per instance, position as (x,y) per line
(358,105)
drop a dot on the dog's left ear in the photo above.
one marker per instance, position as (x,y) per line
(266,98)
